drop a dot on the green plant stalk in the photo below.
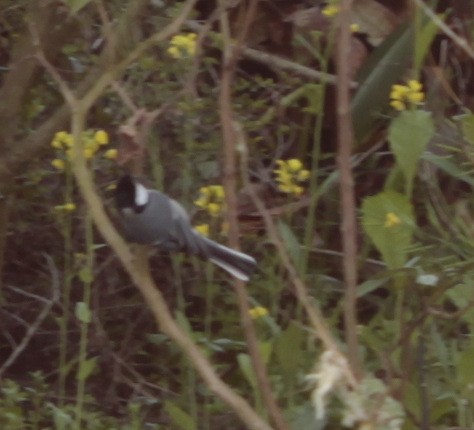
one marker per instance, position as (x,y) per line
(84,325)
(66,297)
(156,164)
(181,306)
(206,416)
(313,184)
(315,155)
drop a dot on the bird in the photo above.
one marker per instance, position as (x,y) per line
(150,217)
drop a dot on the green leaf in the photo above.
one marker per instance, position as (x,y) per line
(369,286)
(391,241)
(179,417)
(382,69)
(409,135)
(86,368)
(76,5)
(83,313)
(290,240)
(446,164)
(245,365)
(465,369)
(423,40)
(85,275)
(467,124)
(288,349)
(265,351)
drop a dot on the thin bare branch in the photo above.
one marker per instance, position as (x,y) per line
(33,328)
(346,185)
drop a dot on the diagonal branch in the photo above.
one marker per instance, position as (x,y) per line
(137,264)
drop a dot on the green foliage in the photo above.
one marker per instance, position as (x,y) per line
(393,241)
(107,366)
(409,134)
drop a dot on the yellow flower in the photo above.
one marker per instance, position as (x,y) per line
(61,140)
(289,176)
(202,229)
(58,164)
(354,27)
(56,144)
(67,207)
(331,10)
(111,154)
(182,45)
(258,312)
(294,165)
(403,96)
(214,209)
(211,199)
(101,137)
(391,220)
(88,153)
(218,192)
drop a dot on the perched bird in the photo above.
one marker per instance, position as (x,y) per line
(150,217)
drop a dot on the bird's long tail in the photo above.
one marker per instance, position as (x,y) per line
(236,263)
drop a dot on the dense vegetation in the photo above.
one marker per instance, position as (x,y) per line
(359,212)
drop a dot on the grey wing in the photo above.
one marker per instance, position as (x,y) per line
(189,239)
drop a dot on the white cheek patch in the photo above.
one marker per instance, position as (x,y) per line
(141,195)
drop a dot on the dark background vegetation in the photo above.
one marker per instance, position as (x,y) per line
(414,337)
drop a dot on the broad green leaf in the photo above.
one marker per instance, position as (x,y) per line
(391,239)
(423,39)
(288,349)
(83,313)
(86,368)
(467,123)
(245,364)
(382,69)
(179,417)
(408,136)
(290,240)
(465,369)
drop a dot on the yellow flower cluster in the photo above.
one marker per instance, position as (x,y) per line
(355,28)
(403,96)
(67,207)
(258,312)
(92,140)
(182,45)
(202,229)
(391,220)
(289,175)
(211,199)
(331,10)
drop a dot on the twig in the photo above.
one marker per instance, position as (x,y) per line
(39,319)
(277,62)
(346,185)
